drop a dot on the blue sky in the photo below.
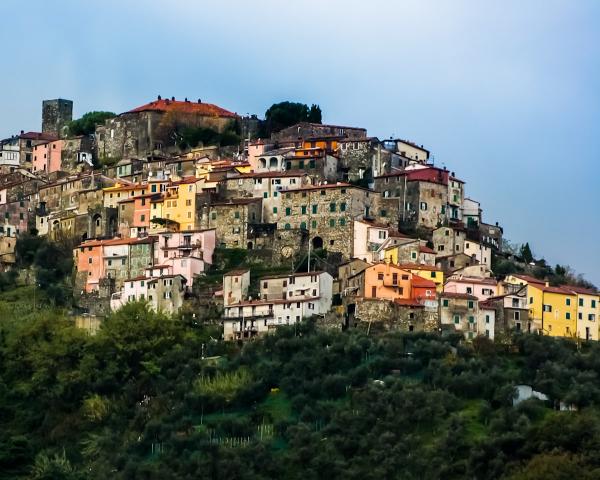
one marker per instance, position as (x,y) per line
(505,93)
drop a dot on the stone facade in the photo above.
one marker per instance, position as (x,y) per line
(460,310)
(231,220)
(149,129)
(55,115)
(305,129)
(327,212)
(387,315)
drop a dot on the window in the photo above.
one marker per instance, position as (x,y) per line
(423,206)
(342,222)
(383,213)
(274,209)
(287,226)
(471,304)
(568,301)
(547,308)
(469,290)
(456,319)
(516,315)
(275,194)
(530,300)
(343,207)
(568,316)
(471,319)
(593,303)
(288,211)
(314,209)
(214,215)
(303,225)
(380,276)
(581,302)
(142,218)
(394,278)
(236,215)
(301,164)
(445,302)
(332,222)
(487,319)
(592,317)
(303,209)
(413,255)
(332,207)
(314,224)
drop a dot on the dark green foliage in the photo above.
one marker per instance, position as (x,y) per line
(86,125)
(190,137)
(138,401)
(526,253)
(285,114)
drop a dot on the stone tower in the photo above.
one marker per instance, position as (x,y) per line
(55,115)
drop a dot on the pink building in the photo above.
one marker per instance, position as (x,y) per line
(47,157)
(482,288)
(186,253)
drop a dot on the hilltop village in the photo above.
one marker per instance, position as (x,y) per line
(202,212)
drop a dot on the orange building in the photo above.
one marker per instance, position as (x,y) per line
(386,281)
(422,289)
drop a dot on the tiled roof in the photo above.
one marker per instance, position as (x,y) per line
(117,241)
(581,290)
(418,266)
(287,173)
(204,109)
(235,272)
(423,249)
(287,275)
(38,136)
(462,296)
(421,282)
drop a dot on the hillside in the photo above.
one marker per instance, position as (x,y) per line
(154,397)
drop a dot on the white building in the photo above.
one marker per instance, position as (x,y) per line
(283,300)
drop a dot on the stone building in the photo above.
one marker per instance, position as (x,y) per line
(270,186)
(231,220)
(421,193)
(305,129)
(407,149)
(402,315)
(15,217)
(460,310)
(235,286)
(7,252)
(56,114)
(327,212)
(152,128)
(454,241)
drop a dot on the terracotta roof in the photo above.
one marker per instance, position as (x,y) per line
(559,290)
(235,273)
(117,241)
(288,173)
(485,281)
(529,279)
(463,296)
(581,290)
(271,302)
(236,201)
(39,136)
(421,282)
(287,275)
(408,302)
(418,266)
(204,109)
(423,249)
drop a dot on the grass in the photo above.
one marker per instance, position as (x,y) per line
(471,414)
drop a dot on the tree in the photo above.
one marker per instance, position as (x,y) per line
(285,114)
(526,253)
(86,125)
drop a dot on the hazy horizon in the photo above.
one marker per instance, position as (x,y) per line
(503,93)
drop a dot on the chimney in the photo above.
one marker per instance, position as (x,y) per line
(547,283)
(22,132)
(186,99)
(199,101)
(172,99)
(159,97)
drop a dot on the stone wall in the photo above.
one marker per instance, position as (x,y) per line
(392,316)
(55,115)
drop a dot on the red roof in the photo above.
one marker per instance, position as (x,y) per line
(204,109)
(463,296)
(429,174)
(418,266)
(38,136)
(117,241)
(426,250)
(580,290)
(421,282)
(529,279)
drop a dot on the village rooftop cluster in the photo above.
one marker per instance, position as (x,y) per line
(359,231)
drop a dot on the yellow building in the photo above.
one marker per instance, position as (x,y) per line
(179,203)
(122,191)
(428,272)
(552,310)
(156,211)
(588,312)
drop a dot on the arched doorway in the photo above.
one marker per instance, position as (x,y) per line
(250,245)
(317,243)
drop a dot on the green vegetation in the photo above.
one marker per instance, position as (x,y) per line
(139,400)
(86,125)
(285,114)
(190,137)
